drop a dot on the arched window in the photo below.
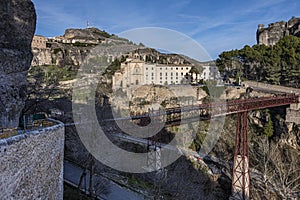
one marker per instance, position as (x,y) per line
(136,82)
(136,69)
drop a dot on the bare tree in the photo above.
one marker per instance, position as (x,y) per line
(278,173)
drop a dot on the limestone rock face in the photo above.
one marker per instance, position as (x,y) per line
(17,26)
(275,31)
(88,33)
(41,57)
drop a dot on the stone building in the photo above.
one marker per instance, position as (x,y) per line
(135,72)
(275,31)
(39,42)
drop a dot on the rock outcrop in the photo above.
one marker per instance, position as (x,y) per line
(71,49)
(275,31)
(17,26)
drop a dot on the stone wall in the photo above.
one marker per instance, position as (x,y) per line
(292,113)
(271,87)
(292,116)
(32,165)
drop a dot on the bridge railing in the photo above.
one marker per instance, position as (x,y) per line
(215,108)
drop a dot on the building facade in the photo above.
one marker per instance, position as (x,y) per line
(39,42)
(135,72)
(210,72)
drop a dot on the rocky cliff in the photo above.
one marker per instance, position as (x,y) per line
(17,26)
(275,31)
(71,48)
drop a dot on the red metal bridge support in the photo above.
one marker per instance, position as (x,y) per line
(241,172)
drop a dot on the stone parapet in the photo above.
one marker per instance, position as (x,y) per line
(271,87)
(32,164)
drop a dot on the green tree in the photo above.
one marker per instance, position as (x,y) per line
(268,128)
(278,64)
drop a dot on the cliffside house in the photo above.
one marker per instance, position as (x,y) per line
(39,42)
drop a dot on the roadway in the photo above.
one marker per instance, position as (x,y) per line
(72,173)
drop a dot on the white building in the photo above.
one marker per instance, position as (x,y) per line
(210,72)
(136,73)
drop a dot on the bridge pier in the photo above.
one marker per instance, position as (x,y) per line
(293,113)
(241,172)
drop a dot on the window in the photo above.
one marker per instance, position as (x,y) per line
(166,73)
(152,74)
(176,68)
(187,68)
(171,73)
(146,68)
(181,68)
(176,73)
(136,82)
(171,68)
(160,74)
(181,73)
(137,69)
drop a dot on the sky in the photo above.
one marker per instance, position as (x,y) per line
(217,25)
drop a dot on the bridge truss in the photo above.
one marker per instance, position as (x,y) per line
(241,107)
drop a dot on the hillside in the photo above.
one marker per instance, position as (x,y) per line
(71,48)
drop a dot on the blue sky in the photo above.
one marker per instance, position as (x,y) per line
(217,25)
